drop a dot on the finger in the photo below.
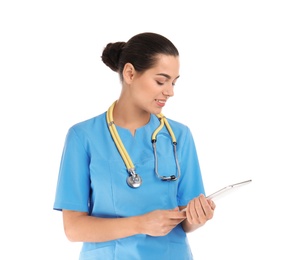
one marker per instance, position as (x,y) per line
(178,215)
(212,204)
(207,210)
(190,211)
(174,209)
(200,208)
(175,222)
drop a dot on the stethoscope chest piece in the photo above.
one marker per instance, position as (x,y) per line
(134,181)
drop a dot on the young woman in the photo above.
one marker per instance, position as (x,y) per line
(130,185)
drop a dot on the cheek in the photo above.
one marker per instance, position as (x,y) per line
(147,90)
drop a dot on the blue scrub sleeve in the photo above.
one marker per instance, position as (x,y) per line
(191,182)
(73,186)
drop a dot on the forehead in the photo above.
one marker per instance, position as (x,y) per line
(167,64)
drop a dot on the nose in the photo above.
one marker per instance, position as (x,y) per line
(168,91)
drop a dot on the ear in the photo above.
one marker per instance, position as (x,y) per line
(128,73)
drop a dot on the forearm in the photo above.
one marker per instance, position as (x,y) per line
(85,228)
(187,227)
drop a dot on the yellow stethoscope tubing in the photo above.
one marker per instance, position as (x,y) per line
(117,140)
(163,122)
(122,150)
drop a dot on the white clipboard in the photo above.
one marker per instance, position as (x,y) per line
(227,189)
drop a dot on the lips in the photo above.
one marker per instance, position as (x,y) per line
(160,102)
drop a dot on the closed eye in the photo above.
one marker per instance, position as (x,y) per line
(159,83)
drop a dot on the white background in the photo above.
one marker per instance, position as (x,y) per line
(234,93)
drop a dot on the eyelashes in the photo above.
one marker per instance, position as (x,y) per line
(159,83)
(162,83)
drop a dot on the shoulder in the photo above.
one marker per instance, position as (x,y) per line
(178,126)
(89,126)
(89,122)
(181,131)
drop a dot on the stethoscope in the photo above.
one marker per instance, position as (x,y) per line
(134,180)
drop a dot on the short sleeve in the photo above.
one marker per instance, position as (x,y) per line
(191,182)
(73,186)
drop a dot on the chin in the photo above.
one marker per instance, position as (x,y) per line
(156,111)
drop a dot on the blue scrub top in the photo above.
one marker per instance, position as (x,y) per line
(92,178)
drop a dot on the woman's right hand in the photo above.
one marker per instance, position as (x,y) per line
(161,222)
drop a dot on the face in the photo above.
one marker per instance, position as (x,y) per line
(151,89)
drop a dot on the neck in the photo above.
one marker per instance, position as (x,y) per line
(128,116)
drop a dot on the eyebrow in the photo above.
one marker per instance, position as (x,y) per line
(166,75)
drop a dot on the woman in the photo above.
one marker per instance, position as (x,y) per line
(125,192)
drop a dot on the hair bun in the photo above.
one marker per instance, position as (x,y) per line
(111,54)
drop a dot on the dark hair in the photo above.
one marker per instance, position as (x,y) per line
(141,51)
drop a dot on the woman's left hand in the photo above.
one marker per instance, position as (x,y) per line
(198,211)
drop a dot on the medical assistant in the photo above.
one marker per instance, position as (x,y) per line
(92,178)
